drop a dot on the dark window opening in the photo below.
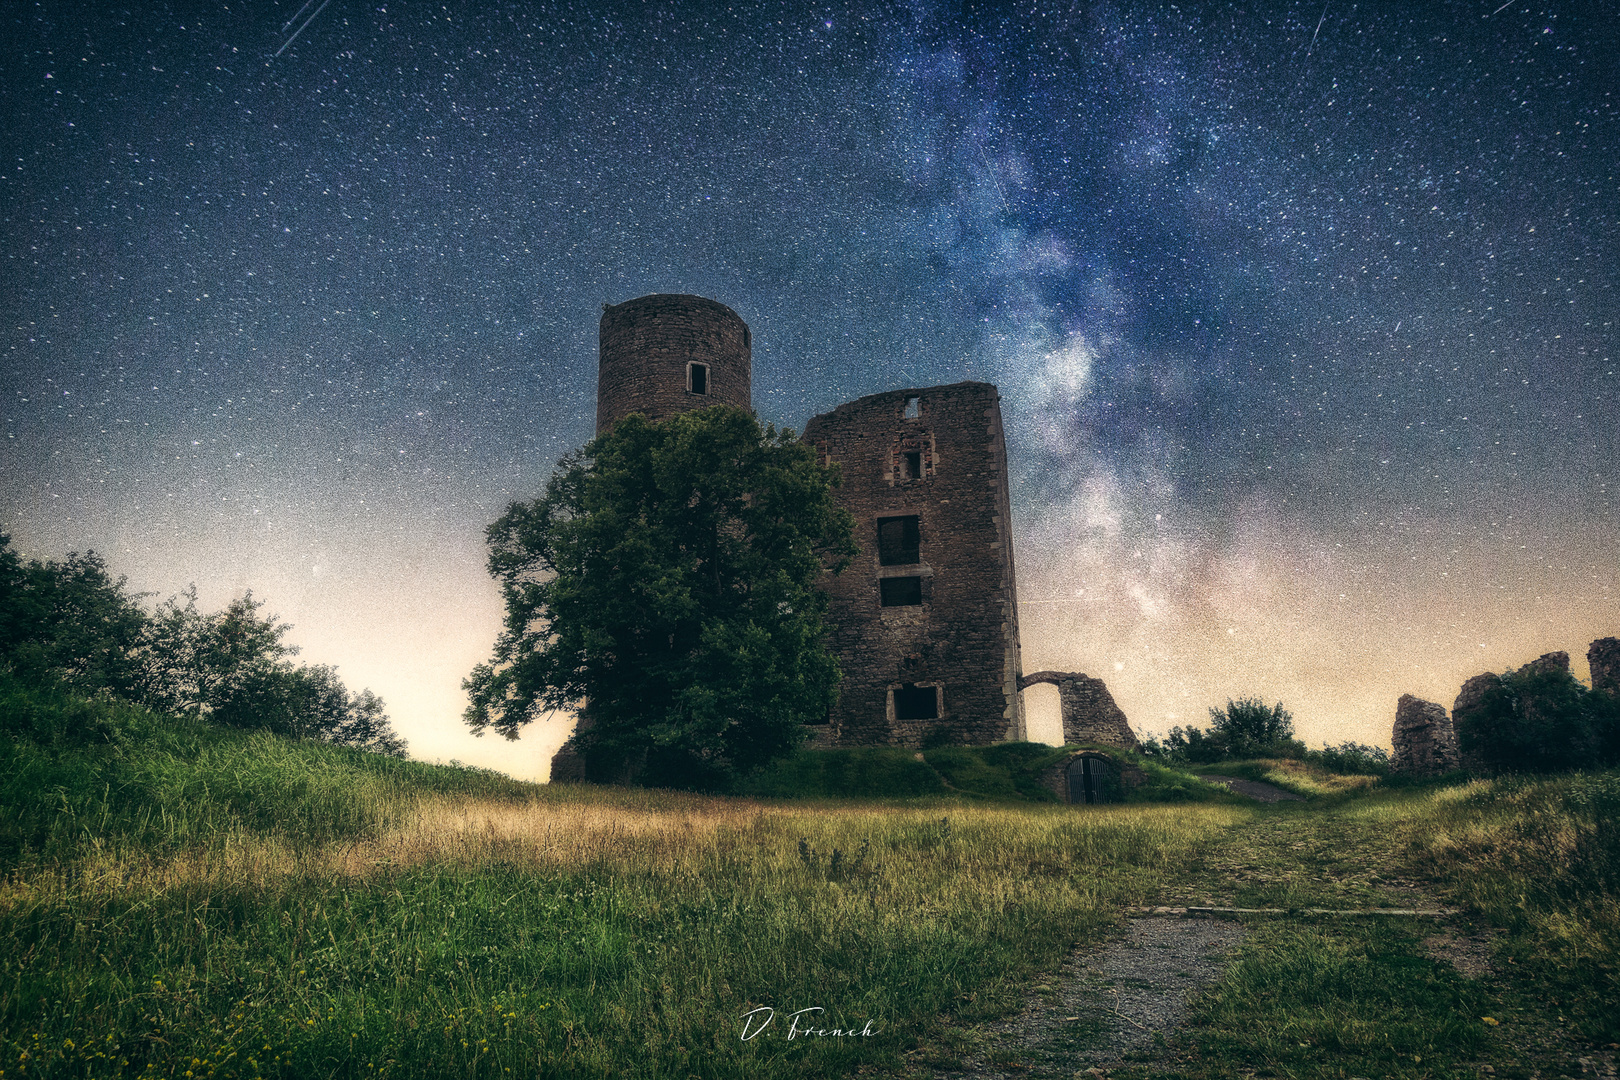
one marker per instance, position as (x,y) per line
(823,719)
(698,378)
(900,591)
(913,464)
(916,703)
(899,541)
(913,408)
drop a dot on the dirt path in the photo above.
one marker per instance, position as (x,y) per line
(1121,1007)
(1110,1005)
(1256,789)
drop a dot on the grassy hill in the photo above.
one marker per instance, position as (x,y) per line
(1004,773)
(182,900)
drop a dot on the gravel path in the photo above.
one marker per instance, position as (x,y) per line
(1107,1002)
(1255,789)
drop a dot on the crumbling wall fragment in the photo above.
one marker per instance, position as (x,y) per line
(1090,714)
(1603,655)
(1424,739)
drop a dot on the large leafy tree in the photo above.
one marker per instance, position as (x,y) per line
(667,582)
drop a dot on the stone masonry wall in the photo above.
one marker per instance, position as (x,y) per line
(1425,741)
(1090,714)
(1603,655)
(947,466)
(646,345)
(1055,777)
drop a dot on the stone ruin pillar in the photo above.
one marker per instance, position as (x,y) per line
(1604,657)
(1425,740)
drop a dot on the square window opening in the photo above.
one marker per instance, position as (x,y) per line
(913,408)
(916,702)
(900,591)
(899,541)
(697,378)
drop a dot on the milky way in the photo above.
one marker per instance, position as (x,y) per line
(1303,315)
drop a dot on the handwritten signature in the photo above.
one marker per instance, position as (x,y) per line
(755,1021)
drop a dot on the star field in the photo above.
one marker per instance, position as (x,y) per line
(1303,316)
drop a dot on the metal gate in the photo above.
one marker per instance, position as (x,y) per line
(1093,780)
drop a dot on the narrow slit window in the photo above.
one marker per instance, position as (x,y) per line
(899,541)
(900,591)
(697,378)
(913,408)
(916,702)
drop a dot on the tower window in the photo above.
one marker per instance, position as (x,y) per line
(899,541)
(900,591)
(913,408)
(697,378)
(916,702)
(913,464)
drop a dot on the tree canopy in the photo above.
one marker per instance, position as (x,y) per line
(1245,728)
(667,582)
(1537,719)
(70,624)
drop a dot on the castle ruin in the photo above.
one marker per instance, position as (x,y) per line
(924,623)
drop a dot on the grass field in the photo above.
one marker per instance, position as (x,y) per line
(184,901)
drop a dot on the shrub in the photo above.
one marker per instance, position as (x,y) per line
(1351,758)
(1247,728)
(1538,720)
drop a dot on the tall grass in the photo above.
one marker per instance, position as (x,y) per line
(1539,856)
(200,902)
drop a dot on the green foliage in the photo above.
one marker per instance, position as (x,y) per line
(1251,723)
(1170,785)
(70,625)
(863,772)
(232,667)
(1357,995)
(199,898)
(1540,857)
(1540,720)
(1351,759)
(668,576)
(1247,728)
(169,782)
(204,663)
(1003,773)
(68,621)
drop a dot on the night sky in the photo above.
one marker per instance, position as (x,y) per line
(1303,315)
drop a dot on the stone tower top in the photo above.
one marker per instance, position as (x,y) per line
(664,354)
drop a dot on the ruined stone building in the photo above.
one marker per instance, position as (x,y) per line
(661,355)
(924,623)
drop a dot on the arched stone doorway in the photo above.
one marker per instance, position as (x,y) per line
(1089,712)
(1091,778)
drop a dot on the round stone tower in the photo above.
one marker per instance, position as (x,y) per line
(665,354)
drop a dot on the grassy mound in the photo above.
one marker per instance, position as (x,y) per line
(1004,773)
(72,766)
(187,899)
